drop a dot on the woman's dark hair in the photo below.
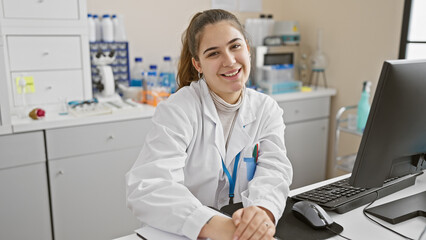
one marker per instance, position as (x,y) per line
(191,37)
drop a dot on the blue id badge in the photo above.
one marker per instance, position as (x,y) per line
(251,167)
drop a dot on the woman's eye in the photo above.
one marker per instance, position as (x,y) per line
(212,54)
(236,45)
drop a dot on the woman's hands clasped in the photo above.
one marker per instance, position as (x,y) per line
(253,223)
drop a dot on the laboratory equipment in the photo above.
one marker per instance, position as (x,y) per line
(273,55)
(318,62)
(107,84)
(120,66)
(287,32)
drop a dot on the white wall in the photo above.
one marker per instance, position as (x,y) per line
(358,35)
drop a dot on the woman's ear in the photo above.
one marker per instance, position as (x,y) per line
(248,46)
(197,65)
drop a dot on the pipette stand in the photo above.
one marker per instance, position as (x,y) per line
(316,73)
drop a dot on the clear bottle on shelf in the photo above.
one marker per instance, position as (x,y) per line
(167,75)
(98,27)
(119,31)
(107,29)
(151,83)
(137,74)
(92,28)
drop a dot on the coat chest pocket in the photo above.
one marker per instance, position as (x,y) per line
(249,162)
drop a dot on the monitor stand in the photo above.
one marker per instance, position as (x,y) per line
(401,209)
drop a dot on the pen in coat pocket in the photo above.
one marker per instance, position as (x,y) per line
(256,152)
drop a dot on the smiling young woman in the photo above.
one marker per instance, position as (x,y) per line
(211,127)
(224,61)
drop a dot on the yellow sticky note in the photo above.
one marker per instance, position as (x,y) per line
(29,84)
(306,89)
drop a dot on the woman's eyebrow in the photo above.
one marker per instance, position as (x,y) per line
(213,48)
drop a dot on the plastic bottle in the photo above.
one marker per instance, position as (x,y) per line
(363,106)
(114,21)
(151,82)
(92,28)
(98,27)
(167,75)
(137,74)
(303,69)
(107,29)
(119,31)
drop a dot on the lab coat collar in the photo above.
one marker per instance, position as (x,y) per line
(239,136)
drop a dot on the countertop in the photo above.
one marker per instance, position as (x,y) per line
(54,120)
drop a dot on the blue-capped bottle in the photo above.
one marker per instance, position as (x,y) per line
(363,106)
(167,75)
(137,74)
(151,82)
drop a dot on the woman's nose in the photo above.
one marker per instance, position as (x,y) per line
(228,59)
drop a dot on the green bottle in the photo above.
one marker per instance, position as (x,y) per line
(363,106)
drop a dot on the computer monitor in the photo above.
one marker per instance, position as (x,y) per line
(394,140)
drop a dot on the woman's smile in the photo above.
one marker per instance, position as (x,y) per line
(232,75)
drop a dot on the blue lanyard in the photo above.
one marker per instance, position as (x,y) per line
(232,179)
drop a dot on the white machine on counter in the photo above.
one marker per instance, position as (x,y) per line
(107,83)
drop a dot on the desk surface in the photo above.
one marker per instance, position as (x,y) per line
(357,226)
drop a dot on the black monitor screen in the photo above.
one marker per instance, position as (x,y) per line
(394,139)
(278,58)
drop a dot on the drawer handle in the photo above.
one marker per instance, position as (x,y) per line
(61,172)
(110,137)
(49,88)
(296,111)
(46,53)
(40,1)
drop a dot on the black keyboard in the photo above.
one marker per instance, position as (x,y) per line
(342,197)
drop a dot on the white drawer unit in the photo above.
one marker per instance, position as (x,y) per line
(88,139)
(41,9)
(21,149)
(87,167)
(305,109)
(306,138)
(50,87)
(28,53)
(46,41)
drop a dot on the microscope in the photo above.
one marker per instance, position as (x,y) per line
(106,85)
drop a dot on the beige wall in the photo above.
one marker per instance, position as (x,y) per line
(358,35)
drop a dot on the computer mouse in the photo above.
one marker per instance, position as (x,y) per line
(312,214)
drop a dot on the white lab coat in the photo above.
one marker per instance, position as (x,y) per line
(179,170)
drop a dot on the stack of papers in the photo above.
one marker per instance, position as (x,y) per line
(150,233)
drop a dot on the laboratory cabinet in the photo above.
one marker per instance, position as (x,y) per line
(46,43)
(87,167)
(30,9)
(306,137)
(24,195)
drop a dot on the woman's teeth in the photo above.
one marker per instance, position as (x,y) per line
(231,74)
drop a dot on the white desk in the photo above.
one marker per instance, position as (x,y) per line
(357,226)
